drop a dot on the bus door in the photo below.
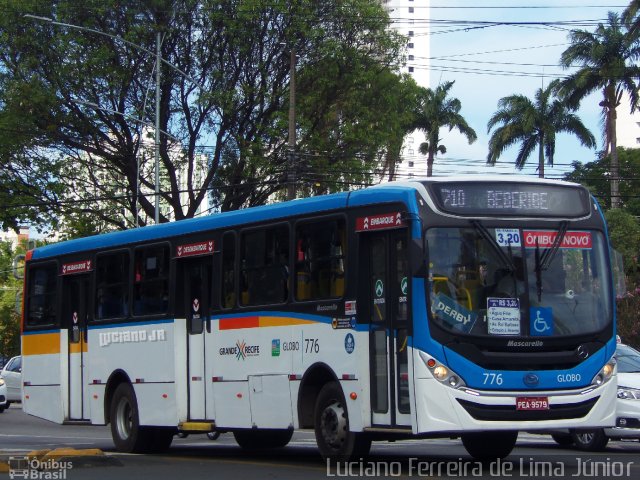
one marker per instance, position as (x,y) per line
(75,306)
(196,282)
(384,259)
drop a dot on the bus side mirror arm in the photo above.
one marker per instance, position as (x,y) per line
(18,264)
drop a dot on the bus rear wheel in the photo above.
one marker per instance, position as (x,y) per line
(485,446)
(258,439)
(335,441)
(127,433)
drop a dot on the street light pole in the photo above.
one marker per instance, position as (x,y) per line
(157,132)
(291,174)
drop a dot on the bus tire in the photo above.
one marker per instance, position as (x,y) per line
(128,436)
(331,422)
(160,439)
(485,446)
(590,440)
(562,439)
(259,439)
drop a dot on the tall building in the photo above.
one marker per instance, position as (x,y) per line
(411,18)
(627,125)
(15,238)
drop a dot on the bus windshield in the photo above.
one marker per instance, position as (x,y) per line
(523,282)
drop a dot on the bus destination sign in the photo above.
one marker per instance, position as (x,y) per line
(511,199)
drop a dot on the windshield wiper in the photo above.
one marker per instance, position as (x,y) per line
(506,260)
(547,257)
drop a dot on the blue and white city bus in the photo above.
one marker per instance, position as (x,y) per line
(471,307)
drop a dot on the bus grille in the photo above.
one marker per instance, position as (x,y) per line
(508,413)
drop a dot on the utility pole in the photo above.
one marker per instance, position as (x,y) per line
(291,154)
(157,135)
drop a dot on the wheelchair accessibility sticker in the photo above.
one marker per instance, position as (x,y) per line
(541,321)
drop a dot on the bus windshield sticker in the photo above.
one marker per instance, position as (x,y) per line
(454,314)
(541,319)
(508,237)
(379,222)
(503,316)
(190,249)
(545,238)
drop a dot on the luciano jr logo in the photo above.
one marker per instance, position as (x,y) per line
(33,468)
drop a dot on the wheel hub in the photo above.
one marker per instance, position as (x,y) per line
(334,425)
(123,419)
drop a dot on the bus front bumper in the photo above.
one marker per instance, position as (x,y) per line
(441,408)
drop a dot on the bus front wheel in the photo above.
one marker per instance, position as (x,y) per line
(128,435)
(333,437)
(485,446)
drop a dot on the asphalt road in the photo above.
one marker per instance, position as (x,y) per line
(195,457)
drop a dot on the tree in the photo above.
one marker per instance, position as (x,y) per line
(606,57)
(595,176)
(437,110)
(10,293)
(631,18)
(83,97)
(533,124)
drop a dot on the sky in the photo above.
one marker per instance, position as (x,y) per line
(488,63)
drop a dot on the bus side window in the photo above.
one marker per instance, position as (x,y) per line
(41,296)
(112,279)
(265,266)
(319,260)
(228,281)
(151,280)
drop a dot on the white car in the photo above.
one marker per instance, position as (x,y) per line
(12,375)
(627,408)
(4,403)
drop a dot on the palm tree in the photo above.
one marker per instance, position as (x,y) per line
(534,124)
(630,16)
(436,111)
(607,57)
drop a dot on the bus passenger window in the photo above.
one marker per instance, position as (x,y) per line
(265,266)
(151,280)
(112,293)
(320,260)
(228,290)
(41,296)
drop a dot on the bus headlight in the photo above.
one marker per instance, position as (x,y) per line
(1,381)
(605,373)
(441,373)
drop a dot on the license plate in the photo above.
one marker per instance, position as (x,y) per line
(532,403)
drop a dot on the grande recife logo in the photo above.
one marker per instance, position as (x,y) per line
(241,350)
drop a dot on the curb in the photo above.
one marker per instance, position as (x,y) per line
(91,457)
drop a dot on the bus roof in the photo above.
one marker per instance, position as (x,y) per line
(275,211)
